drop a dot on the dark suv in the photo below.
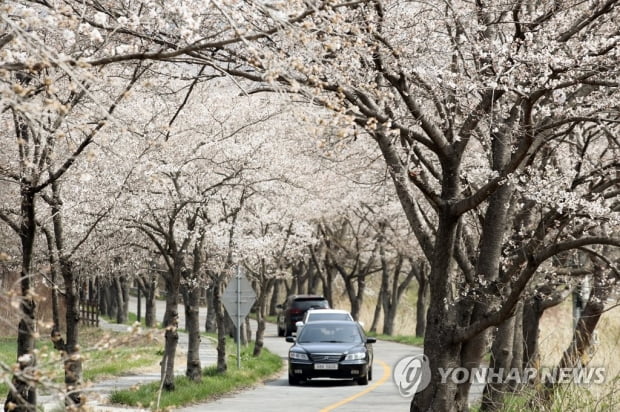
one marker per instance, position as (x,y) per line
(293,310)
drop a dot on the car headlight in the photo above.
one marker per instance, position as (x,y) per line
(356,356)
(297,355)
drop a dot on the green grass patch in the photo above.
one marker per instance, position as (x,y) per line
(409,340)
(106,354)
(214,384)
(132,318)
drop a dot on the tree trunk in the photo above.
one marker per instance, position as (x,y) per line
(73,360)
(103,301)
(242,337)
(260,334)
(353,298)
(441,322)
(388,320)
(532,312)
(124,306)
(328,281)
(501,361)
(422,303)
(111,300)
(275,298)
(150,310)
(261,309)
(377,313)
(25,396)
(576,355)
(55,306)
(220,319)
(118,289)
(488,268)
(517,346)
(192,323)
(186,304)
(313,279)
(210,322)
(171,325)
(248,331)
(51,254)
(300,278)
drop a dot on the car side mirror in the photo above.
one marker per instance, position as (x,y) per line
(290,339)
(299,324)
(371,340)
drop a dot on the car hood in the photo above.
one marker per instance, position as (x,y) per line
(330,347)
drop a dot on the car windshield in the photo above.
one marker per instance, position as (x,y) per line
(305,304)
(314,333)
(328,316)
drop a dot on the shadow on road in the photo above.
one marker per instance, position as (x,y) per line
(314,383)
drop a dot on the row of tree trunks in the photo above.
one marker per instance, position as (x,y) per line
(515,346)
(577,354)
(114,303)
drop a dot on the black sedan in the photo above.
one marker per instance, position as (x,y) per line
(330,349)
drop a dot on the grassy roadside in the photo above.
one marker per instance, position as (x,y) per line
(132,319)
(213,385)
(106,354)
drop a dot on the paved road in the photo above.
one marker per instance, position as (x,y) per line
(320,395)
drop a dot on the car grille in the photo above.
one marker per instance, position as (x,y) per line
(326,357)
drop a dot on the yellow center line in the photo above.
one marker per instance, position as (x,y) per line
(386,375)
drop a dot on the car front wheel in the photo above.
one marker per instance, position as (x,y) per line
(363,380)
(293,380)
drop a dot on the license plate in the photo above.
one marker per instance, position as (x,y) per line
(324,366)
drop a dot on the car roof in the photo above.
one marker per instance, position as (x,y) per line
(329,310)
(332,322)
(306,297)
